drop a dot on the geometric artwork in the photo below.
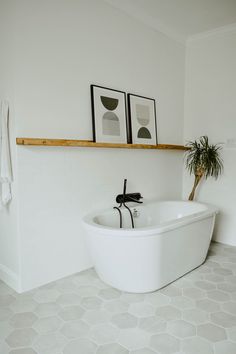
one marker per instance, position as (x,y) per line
(142,120)
(109,115)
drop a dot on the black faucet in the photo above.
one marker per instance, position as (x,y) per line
(123,198)
(129,197)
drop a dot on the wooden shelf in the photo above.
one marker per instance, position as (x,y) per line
(88,143)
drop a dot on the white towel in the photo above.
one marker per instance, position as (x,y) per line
(5,158)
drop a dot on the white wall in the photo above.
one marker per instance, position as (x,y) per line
(9,246)
(210,109)
(62,46)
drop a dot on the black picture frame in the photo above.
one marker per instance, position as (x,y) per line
(147,132)
(106,118)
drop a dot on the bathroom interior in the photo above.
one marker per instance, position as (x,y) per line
(180,54)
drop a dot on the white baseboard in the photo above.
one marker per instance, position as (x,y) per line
(9,277)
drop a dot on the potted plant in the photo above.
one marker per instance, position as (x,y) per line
(203,160)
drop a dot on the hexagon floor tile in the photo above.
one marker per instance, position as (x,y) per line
(82,315)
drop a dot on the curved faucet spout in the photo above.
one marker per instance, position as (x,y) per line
(131,199)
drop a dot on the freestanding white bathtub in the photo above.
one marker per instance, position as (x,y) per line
(170,238)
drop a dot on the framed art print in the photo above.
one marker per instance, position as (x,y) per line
(142,119)
(109,115)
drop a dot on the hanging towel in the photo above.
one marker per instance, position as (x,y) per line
(5,158)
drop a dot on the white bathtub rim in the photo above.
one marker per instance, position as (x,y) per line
(149,230)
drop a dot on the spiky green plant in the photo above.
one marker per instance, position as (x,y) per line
(203,160)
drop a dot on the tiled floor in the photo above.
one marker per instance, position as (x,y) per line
(81,315)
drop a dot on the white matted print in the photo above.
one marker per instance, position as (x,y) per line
(109,115)
(142,115)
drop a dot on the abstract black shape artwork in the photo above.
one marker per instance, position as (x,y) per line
(142,119)
(109,115)
(109,102)
(144,133)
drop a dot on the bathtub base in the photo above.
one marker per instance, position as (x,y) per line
(148,263)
